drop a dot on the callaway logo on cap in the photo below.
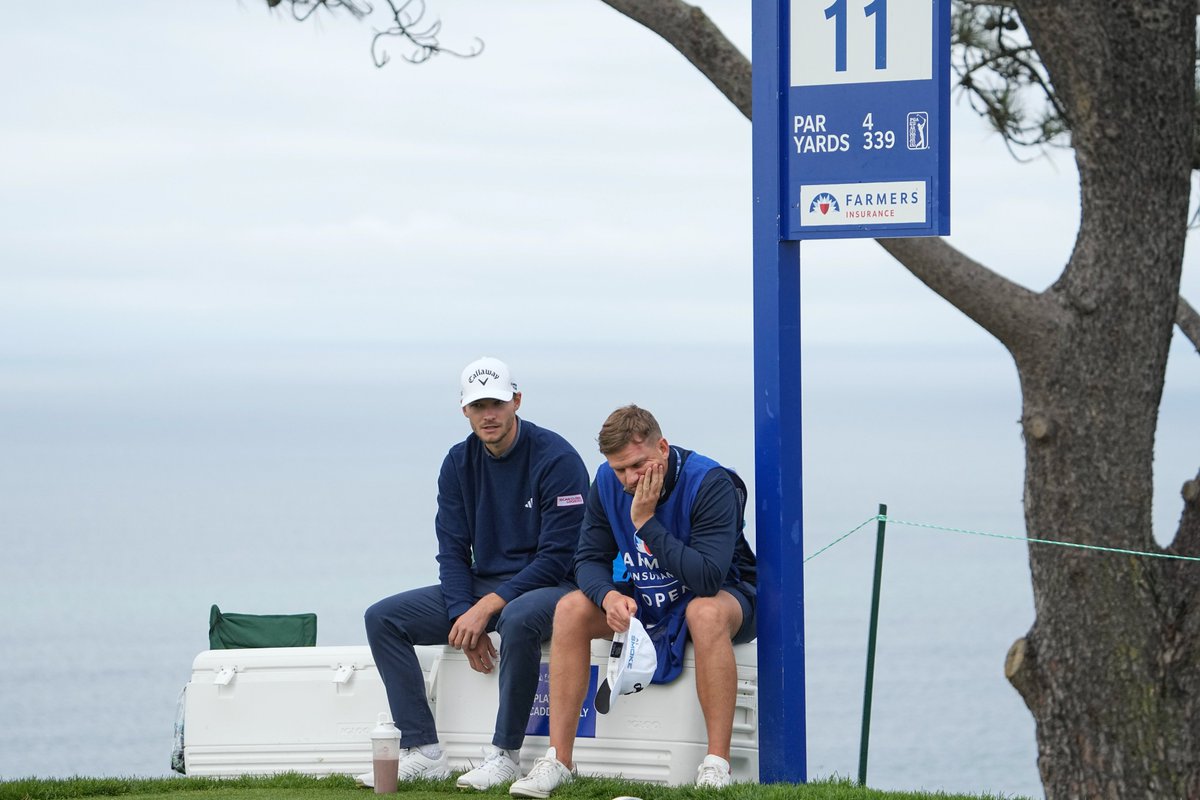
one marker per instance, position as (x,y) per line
(631,664)
(486,378)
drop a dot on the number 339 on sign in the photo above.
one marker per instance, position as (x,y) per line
(860,41)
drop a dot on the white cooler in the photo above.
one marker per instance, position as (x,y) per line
(311,709)
(284,709)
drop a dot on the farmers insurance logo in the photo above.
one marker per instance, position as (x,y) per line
(824,203)
(870,203)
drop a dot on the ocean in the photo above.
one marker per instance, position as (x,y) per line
(148,491)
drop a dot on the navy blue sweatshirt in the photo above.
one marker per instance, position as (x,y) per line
(516,517)
(715,555)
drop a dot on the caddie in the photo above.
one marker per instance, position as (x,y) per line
(675,519)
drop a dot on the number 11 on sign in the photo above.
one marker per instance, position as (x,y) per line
(860,41)
(837,12)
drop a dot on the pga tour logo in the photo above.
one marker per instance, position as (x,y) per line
(918,130)
(823,204)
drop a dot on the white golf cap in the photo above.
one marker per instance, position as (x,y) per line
(487,377)
(631,664)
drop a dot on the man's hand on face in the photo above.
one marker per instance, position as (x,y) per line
(646,494)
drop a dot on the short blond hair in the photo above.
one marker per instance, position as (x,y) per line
(626,425)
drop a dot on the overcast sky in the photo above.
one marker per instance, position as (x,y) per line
(189,184)
(219,162)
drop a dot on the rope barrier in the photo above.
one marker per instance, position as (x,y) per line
(843,537)
(1027,539)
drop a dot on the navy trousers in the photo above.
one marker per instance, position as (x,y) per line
(419,616)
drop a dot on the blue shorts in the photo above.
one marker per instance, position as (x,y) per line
(747,597)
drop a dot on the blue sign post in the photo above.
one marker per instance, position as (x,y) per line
(851,139)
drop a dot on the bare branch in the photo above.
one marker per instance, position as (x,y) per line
(303,9)
(1189,322)
(409,26)
(689,30)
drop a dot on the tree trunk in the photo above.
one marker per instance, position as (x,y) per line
(1111,667)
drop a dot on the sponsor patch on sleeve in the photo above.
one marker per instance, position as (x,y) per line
(570,500)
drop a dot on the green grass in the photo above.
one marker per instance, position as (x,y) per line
(340,787)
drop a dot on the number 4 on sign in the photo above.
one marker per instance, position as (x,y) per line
(837,12)
(868,123)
